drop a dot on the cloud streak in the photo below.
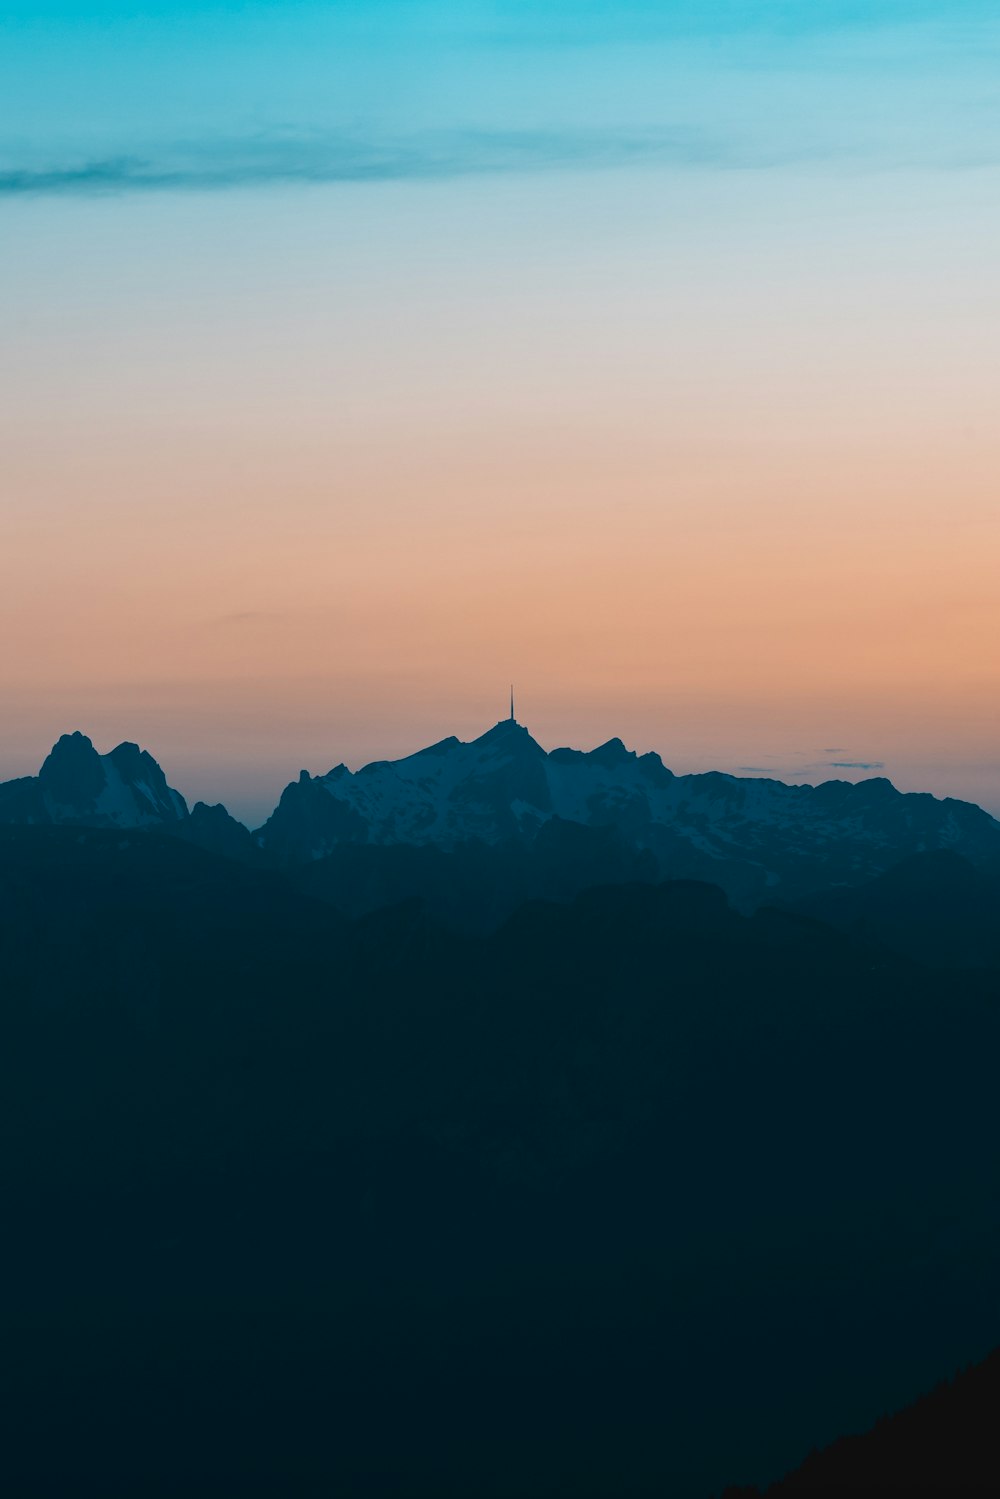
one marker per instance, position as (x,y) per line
(332,158)
(290,157)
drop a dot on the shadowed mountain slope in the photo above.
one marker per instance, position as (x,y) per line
(476,886)
(936,907)
(605,1202)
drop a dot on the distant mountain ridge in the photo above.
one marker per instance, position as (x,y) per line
(752,836)
(126,788)
(759,839)
(76,785)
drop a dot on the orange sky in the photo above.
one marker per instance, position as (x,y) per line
(709,464)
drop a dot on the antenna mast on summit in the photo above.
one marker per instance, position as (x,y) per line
(512,702)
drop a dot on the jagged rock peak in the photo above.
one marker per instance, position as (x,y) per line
(509,733)
(72,771)
(756,836)
(613,752)
(125,788)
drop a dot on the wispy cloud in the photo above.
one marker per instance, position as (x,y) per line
(293,157)
(795,764)
(330,158)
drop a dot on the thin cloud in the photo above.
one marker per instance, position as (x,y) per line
(782,769)
(330,158)
(291,157)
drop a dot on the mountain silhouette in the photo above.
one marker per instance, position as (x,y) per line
(214,829)
(77,786)
(758,839)
(476,828)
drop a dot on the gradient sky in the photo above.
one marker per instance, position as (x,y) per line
(357,357)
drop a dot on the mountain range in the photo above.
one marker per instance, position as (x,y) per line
(501,802)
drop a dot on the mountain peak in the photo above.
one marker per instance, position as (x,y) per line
(79,786)
(509,732)
(72,773)
(75,746)
(613,752)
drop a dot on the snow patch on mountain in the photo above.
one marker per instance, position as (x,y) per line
(503,785)
(77,786)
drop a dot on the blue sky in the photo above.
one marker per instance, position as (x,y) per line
(170,94)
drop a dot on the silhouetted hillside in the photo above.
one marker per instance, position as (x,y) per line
(936,907)
(630,1196)
(945,1443)
(476,886)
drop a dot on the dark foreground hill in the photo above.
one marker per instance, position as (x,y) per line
(476,886)
(945,1443)
(634,1195)
(933,906)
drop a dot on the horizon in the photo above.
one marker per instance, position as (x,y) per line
(253,811)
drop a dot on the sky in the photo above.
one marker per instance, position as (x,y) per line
(357,358)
